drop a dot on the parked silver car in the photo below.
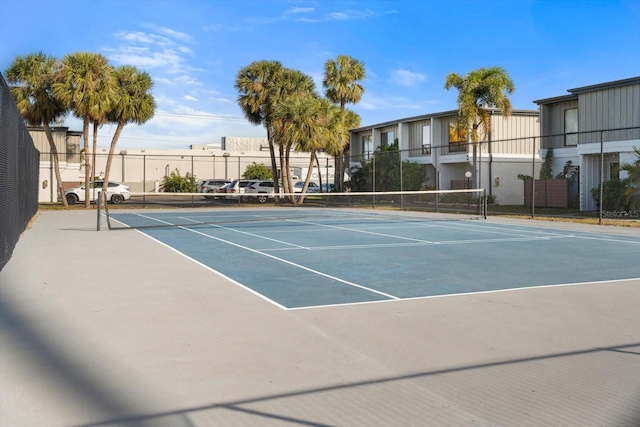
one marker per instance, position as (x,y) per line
(211,186)
(312,188)
(116,192)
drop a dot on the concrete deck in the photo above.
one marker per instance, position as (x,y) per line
(112,329)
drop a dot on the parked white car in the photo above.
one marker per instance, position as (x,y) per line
(264,189)
(236,187)
(116,192)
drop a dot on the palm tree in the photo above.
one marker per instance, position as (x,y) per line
(479,91)
(86,85)
(308,122)
(341,87)
(349,120)
(255,84)
(263,85)
(32,77)
(133,103)
(290,85)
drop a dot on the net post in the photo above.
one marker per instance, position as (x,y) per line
(484,202)
(99,209)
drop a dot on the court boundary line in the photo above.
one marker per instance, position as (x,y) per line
(524,288)
(570,233)
(218,273)
(531,229)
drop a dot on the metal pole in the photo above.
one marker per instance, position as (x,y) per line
(99,208)
(144,178)
(484,203)
(373,186)
(192,177)
(401,184)
(533,180)
(601,176)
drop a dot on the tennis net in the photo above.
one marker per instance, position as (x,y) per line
(178,208)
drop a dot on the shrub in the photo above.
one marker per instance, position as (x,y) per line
(257,171)
(613,195)
(175,183)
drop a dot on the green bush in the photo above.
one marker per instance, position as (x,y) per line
(175,183)
(257,171)
(613,195)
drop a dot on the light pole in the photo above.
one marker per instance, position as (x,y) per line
(226,166)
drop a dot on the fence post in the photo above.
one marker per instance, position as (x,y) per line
(601,177)
(401,184)
(99,208)
(533,180)
(144,180)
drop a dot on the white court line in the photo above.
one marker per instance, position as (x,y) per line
(258,294)
(569,234)
(415,244)
(363,231)
(302,267)
(247,233)
(470,293)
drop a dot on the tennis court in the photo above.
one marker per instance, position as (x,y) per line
(117,328)
(308,257)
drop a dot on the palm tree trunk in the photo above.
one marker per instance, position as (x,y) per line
(56,162)
(274,165)
(284,171)
(112,149)
(287,166)
(87,162)
(95,149)
(306,179)
(320,173)
(337,163)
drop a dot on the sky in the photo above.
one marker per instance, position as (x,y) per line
(193,50)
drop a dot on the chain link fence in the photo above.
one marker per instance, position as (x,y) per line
(564,174)
(19,175)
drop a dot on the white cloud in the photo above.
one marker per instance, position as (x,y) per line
(190,98)
(373,102)
(297,10)
(175,34)
(406,78)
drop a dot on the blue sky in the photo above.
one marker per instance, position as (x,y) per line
(193,50)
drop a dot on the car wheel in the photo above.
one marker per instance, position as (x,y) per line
(209,197)
(72,199)
(262,199)
(116,199)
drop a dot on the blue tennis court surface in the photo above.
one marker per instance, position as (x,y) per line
(307,257)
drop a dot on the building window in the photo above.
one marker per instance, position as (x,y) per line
(457,137)
(386,139)
(426,140)
(367,147)
(571,127)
